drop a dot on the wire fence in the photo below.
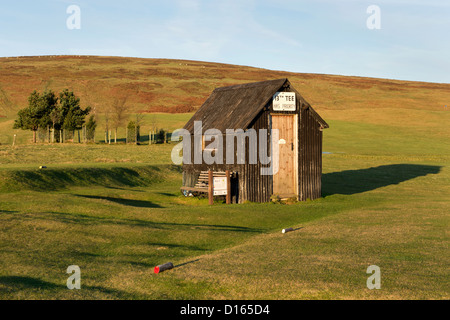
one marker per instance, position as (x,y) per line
(84,135)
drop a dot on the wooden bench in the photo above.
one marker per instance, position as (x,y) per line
(202,185)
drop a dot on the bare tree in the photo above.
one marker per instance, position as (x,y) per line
(137,124)
(56,117)
(119,109)
(88,89)
(107,117)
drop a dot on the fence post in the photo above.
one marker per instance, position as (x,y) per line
(227,173)
(210,187)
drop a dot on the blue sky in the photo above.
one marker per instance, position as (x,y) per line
(322,36)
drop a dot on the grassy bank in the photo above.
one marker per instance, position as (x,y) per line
(52,179)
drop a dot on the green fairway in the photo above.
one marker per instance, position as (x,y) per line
(116,211)
(387,205)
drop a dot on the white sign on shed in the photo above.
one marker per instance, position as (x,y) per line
(284,101)
(220,186)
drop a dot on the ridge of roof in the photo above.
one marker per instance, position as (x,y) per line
(236,106)
(251,85)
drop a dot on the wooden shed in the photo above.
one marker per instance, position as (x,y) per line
(261,107)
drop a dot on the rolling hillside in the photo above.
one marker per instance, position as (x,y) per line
(174,86)
(180,86)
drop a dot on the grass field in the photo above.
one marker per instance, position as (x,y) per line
(116,211)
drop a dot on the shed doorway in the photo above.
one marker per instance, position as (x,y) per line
(285,181)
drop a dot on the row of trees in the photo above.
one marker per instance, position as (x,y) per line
(58,117)
(47,110)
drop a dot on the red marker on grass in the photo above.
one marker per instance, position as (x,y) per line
(163,267)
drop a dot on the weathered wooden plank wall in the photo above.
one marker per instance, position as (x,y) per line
(250,185)
(310,157)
